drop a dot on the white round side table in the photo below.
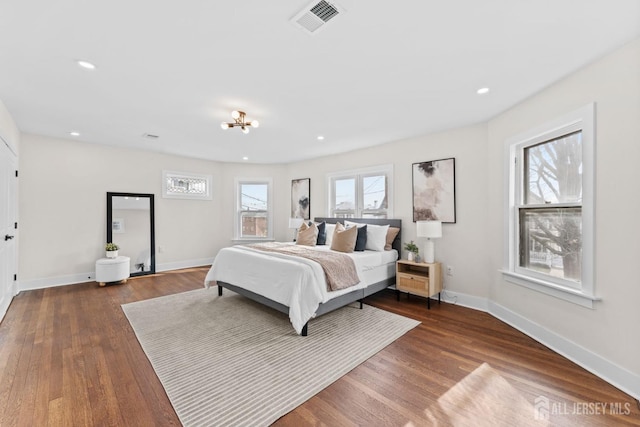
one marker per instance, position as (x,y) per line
(112,270)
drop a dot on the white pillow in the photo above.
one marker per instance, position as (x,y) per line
(376,235)
(329,228)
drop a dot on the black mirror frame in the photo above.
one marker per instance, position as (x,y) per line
(110,196)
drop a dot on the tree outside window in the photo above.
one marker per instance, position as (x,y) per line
(551,215)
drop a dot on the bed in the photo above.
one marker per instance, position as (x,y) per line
(297,286)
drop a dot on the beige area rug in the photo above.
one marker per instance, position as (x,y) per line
(229,361)
(485,398)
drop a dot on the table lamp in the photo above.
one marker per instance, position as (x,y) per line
(431,230)
(295,223)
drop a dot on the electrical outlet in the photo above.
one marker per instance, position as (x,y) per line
(449,270)
(160,249)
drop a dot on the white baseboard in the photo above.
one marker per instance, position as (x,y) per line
(51,282)
(184,264)
(72,279)
(615,375)
(4,307)
(465,300)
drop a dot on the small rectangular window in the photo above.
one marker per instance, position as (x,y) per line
(179,185)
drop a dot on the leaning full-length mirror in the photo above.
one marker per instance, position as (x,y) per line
(130,225)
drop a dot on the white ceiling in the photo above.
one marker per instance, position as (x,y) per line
(379,72)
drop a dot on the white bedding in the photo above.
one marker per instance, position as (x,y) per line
(295,282)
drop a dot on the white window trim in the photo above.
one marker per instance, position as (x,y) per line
(356,173)
(236,217)
(167,195)
(584,294)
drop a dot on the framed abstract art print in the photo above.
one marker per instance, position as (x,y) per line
(434,190)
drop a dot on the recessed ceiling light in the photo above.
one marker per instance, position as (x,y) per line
(483,90)
(320,138)
(86,65)
(245,158)
(74,133)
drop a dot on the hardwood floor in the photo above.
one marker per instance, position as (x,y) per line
(68,356)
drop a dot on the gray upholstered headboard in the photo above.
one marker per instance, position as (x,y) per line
(397,242)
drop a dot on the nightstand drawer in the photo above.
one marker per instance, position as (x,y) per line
(411,282)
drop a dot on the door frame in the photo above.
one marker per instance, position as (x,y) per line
(12,202)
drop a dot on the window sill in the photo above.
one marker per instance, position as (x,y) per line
(571,295)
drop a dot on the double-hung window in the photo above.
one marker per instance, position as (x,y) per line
(254,215)
(551,205)
(362,193)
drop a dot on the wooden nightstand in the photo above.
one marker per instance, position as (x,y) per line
(419,278)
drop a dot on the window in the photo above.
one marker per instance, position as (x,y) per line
(551,226)
(180,185)
(254,211)
(363,193)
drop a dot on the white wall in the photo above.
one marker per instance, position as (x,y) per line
(63,186)
(462,243)
(9,131)
(610,330)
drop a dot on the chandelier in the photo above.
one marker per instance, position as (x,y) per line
(239,118)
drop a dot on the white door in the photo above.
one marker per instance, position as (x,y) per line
(8,210)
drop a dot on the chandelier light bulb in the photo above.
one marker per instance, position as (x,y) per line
(240,121)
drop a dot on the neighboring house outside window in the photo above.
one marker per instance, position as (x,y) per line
(254,211)
(551,203)
(362,193)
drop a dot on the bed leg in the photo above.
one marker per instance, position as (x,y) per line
(360,301)
(219,290)
(304,330)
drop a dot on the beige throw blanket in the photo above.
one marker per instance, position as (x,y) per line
(339,269)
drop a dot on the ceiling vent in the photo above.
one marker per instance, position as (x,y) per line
(315,16)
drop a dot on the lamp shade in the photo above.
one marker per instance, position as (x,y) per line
(429,229)
(295,222)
